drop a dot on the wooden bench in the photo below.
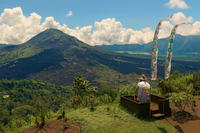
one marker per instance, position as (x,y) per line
(157,107)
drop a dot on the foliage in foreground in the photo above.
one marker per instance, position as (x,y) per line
(32,102)
(180,89)
(176,83)
(89,96)
(29,102)
(19,99)
(181,100)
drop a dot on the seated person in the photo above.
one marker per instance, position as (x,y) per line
(143,85)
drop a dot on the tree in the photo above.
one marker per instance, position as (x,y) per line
(36,113)
(92,98)
(42,117)
(41,113)
(76,101)
(80,85)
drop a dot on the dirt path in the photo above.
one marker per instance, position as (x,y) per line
(191,123)
(56,126)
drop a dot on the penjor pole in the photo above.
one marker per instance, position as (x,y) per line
(168,58)
(155,50)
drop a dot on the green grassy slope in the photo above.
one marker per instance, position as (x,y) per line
(114,119)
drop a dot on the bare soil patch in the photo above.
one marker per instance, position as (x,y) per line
(56,126)
(187,121)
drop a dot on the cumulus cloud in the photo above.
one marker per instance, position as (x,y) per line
(110,31)
(177,3)
(180,18)
(16,28)
(69,13)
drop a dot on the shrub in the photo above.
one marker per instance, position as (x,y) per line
(105,90)
(92,102)
(19,123)
(104,99)
(40,114)
(176,83)
(23,111)
(76,101)
(129,90)
(42,117)
(181,100)
(196,81)
(2,129)
(85,101)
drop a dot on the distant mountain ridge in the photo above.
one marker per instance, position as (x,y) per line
(57,57)
(5,45)
(183,46)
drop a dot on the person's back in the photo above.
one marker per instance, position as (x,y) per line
(143,97)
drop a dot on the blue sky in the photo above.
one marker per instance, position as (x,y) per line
(134,14)
(131,13)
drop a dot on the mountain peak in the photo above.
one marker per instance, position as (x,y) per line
(53,31)
(52,37)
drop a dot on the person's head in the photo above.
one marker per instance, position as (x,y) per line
(142,78)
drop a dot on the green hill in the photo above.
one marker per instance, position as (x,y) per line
(57,57)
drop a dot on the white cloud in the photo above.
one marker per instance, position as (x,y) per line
(16,28)
(180,18)
(185,30)
(12,16)
(177,3)
(110,31)
(69,13)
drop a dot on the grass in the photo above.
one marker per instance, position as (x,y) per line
(25,125)
(114,119)
(110,118)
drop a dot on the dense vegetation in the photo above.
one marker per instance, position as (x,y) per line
(181,89)
(177,83)
(33,102)
(27,102)
(21,100)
